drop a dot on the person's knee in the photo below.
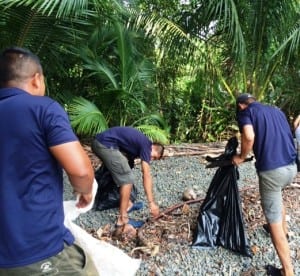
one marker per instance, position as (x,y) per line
(125,187)
(273,213)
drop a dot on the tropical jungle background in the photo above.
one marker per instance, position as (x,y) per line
(171,68)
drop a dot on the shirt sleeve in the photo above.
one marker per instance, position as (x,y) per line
(145,153)
(58,127)
(244,118)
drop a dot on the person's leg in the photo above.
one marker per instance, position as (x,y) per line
(284,222)
(115,163)
(271,183)
(281,245)
(125,191)
(123,177)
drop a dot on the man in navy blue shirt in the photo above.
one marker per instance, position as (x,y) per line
(36,143)
(265,130)
(117,147)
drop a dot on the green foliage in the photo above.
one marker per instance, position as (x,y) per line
(85,117)
(122,74)
(174,69)
(154,133)
(63,8)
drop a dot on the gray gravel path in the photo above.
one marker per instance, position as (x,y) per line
(171,176)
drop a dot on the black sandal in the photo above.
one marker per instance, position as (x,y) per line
(266,228)
(273,271)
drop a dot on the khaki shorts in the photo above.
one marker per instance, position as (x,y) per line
(115,162)
(271,184)
(71,261)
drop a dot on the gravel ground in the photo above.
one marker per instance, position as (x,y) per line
(171,176)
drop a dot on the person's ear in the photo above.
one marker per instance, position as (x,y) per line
(241,106)
(38,84)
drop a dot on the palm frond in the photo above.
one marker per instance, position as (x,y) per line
(64,8)
(154,120)
(166,34)
(291,44)
(154,133)
(224,15)
(85,117)
(102,71)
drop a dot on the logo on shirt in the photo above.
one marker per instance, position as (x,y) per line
(48,269)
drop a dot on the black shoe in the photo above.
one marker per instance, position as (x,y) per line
(267,228)
(272,270)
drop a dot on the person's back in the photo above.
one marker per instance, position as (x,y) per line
(128,140)
(30,179)
(36,144)
(273,146)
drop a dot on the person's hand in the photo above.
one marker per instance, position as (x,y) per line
(84,200)
(154,209)
(237,160)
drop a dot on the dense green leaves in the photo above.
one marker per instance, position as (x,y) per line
(85,117)
(154,133)
(172,68)
(63,8)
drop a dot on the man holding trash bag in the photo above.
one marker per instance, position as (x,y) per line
(265,130)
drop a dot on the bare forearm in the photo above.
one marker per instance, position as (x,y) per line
(246,147)
(76,164)
(296,122)
(82,184)
(148,187)
(247,140)
(147,181)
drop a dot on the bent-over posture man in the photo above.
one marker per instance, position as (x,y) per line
(265,129)
(36,143)
(119,146)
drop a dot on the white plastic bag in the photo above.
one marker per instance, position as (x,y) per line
(108,259)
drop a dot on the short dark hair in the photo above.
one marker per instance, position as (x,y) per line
(16,64)
(244,98)
(161,149)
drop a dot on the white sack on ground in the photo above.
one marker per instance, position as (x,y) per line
(109,260)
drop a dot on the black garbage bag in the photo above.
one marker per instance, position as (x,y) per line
(220,220)
(229,152)
(108,195)
(298,161)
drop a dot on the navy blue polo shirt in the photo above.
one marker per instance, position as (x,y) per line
(273,145)
(128,140)
(31,181)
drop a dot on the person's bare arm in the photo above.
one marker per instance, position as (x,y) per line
(247,140)
(78,167)
(296,122)
(148,187)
